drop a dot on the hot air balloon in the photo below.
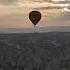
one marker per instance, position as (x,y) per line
(35,17)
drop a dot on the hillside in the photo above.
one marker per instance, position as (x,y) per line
(36,29)
(35,51)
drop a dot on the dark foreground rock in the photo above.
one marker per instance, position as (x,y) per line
(35,51)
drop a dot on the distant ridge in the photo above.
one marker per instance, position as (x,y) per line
(38,29)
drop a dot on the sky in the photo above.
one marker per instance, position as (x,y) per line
(15,14)
(6,2)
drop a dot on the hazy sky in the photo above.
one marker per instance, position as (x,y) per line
(8,2)
(15,14)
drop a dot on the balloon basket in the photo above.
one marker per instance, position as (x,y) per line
(35,29)
(34,26)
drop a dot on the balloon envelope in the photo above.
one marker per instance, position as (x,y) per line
(35,17)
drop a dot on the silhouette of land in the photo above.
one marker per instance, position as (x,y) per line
(35,51)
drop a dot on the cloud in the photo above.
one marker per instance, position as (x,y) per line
(8,2)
